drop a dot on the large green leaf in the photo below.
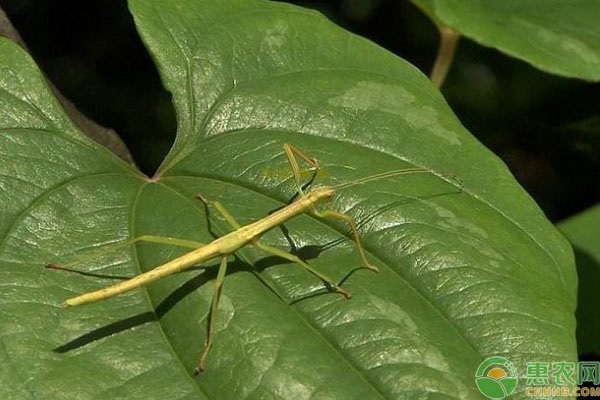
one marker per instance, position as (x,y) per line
(558,36)
(467,271)
(583,230)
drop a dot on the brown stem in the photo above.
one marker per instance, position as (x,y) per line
(448,41)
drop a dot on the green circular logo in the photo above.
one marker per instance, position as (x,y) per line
(496,377)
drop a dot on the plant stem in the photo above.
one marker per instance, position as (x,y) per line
(448,41)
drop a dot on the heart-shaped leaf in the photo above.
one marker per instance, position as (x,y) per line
(467,270)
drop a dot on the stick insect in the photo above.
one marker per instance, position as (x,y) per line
(241,236)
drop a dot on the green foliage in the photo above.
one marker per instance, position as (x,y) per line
(558,36)
(467,271)
(583,231)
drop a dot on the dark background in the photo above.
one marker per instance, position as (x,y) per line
(546,128)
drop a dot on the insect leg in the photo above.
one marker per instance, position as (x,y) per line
(222,210)
(293,258)
(289,152)
(348,220)
(212,316)
(109,249)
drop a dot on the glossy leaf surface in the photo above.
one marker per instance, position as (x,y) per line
(468,270)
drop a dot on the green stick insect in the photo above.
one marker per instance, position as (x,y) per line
(241,236)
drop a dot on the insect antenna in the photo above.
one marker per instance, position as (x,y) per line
(383,175)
